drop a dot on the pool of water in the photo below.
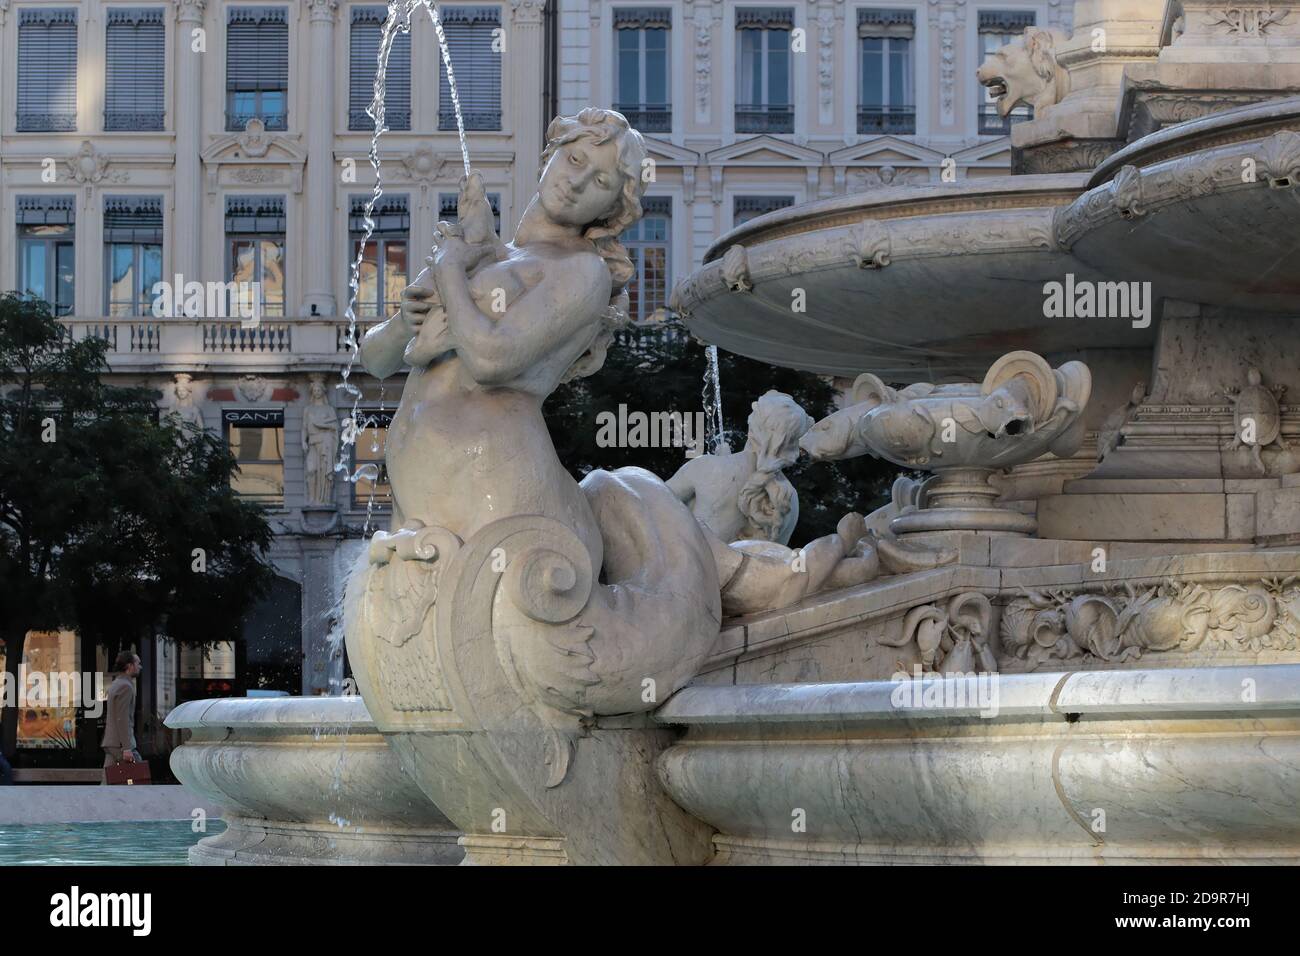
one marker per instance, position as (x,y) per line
(160,843)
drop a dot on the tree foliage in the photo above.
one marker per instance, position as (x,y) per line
(660,368)
(106,511)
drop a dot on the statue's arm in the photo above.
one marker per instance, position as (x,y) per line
(499,348)
(682,485)
(382,347)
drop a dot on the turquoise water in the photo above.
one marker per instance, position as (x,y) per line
(161,843)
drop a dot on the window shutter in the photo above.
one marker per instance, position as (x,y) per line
(643,18)
(477,66)
(764,18)
(1005,21)
(752,206)
(255,214)
(257,49)
(886,23)
(133,219)
(367,28)
(657,206)
(134,69)
(391,215)
(46,210)
(47,70)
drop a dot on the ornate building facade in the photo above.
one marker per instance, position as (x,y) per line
(226,144)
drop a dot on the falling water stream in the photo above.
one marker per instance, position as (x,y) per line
(712,396)
(398,21)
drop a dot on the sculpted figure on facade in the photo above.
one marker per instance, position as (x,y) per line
(320,441)
(183,406)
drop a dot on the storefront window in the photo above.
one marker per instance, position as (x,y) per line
(47,716)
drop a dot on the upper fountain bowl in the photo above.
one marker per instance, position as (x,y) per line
(935,282)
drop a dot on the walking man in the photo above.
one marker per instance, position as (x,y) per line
(119,734)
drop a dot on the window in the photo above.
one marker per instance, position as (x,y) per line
(255,249)
(473,37)
(886,102)
(257,67)
(133,235)
(48,717)
(367,29)
(369,448)
(384,267)
(745,208)
(135,60)
(642,67)
(997,28)
(764,80)
(256,439)
(647,242)
(46,250)
(448,203)
(47,70)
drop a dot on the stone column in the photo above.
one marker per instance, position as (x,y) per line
(522,64)
(187,120)
(319,254)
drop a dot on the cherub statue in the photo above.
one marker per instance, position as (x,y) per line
(745,495)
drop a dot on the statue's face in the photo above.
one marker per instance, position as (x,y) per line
(317,390)
(581,183)
(182,390)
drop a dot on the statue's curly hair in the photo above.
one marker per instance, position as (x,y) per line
(601,126)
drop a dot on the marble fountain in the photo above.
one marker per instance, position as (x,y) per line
(1073,634)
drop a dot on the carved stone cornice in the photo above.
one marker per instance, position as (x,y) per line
(190,11)
(527,12)
(323,11)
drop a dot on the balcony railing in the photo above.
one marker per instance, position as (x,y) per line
(764,119)
(648,119)
(396,120)
(474,119)
(143,122)
(141,343)
(237,120)
(46,122)
(886,119)
(991,124)
(233,337)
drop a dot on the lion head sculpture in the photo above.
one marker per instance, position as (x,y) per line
(1026,71)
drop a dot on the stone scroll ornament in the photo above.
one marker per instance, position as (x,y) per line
(951,640)
(963,433)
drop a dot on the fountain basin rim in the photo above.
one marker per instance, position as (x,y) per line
(1223,128)
(985,194)
(261,712)
(1099,694)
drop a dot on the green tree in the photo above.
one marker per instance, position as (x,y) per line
(112,523)
(660,368)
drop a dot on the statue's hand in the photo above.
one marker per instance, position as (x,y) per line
(417,300)
(452,253)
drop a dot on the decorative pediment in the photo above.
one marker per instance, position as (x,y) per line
(885,150)
(665,153)
(764,151)
(254,157)
(994,153)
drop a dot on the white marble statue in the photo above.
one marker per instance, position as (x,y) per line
(1026,71)
(745,495)
(320,441)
